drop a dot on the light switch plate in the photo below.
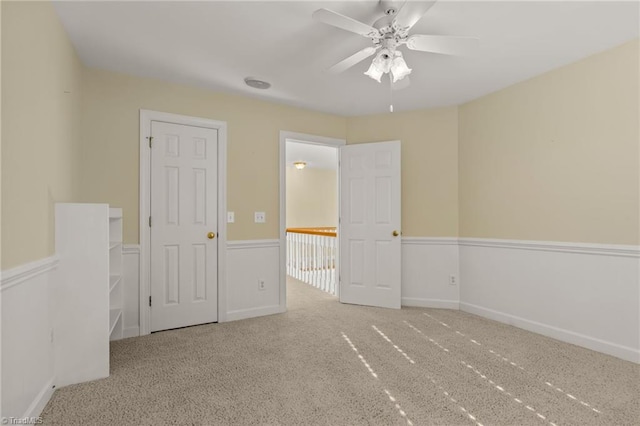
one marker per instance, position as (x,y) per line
(231,217)
(260,217)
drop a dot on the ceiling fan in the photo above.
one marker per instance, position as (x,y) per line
(389,33)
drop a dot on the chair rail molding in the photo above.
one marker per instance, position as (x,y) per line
(247,244)
(15,276)
(131,249)
(435,241)
(555,246)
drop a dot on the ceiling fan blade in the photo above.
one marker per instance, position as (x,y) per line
(446,45)
(344,22)
(402,84)
(412,11)
(352,60)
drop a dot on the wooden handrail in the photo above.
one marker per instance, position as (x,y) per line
(327,231)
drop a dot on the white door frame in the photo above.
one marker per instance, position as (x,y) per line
(146,117)
(311,140)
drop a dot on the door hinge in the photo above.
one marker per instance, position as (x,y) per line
(149,300)
(150,140)
(149,221)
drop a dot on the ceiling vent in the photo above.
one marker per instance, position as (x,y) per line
(256,84)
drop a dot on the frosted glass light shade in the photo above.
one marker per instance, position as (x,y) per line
(399,68)
(374,72)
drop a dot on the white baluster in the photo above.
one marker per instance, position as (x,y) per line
(321,242)
(310,259)
(297,255)
(288,264)
(315,261)
(332,259)
(305,257)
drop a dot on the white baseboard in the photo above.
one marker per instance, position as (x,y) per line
(40,400)
(430,303)
(130,332)
(588,342)
(254,312)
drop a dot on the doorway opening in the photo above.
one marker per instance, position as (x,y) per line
(309,206)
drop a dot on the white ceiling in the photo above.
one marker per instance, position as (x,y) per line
(316,156)
(216,44)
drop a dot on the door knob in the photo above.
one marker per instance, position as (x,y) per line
(396,233)
(211,235)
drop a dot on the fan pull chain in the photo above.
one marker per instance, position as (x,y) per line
(390,93)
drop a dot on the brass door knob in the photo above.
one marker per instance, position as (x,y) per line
(396,233)
(211,235)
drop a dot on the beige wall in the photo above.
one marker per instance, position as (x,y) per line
(41,81)
(0,168)
(312,197)
(110,129)
(429,165)
(555,157)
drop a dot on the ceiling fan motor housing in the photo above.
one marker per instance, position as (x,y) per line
(390,7)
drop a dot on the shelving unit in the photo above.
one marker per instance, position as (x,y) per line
(115,274)
(89,291)
(82,321)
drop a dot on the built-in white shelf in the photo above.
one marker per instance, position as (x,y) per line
(114,316)
(82,323)
(116,283)
(114,280)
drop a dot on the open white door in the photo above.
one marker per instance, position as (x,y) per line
(370,224)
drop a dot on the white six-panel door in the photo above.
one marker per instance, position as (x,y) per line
(370,224)
(184,289)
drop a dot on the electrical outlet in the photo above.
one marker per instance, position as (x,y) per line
(261,285)
(260,217)
(453,280)
(231,217)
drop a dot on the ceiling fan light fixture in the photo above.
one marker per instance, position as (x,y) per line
(381,65)
(300,165)
(399,68)
(374,72)
(383,60)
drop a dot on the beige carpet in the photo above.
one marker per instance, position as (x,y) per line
(324,363)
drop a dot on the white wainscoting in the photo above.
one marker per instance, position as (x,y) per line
(247,263)
(27,330)
(584,294)
(427,264)
(131,277)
